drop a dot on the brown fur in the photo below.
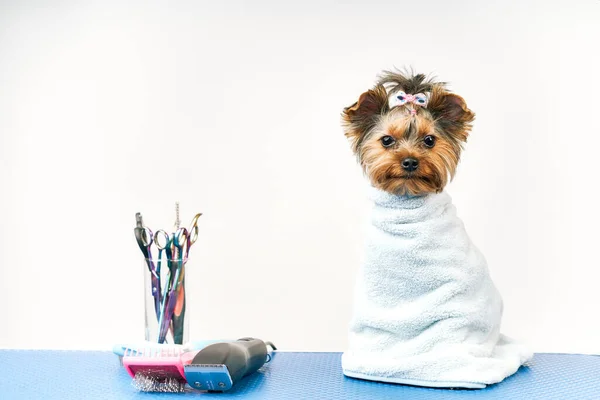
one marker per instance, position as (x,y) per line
(446,117)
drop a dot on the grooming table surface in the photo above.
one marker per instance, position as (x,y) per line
(92,375)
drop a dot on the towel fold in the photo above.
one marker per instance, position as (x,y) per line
(426,311)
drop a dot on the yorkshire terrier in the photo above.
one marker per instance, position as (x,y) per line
(426,310)
(408,132)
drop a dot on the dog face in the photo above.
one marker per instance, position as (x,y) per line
(407,133)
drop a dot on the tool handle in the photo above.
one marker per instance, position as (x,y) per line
(179,319)
(241,357)
(257,354)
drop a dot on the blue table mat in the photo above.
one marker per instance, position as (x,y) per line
(34,374)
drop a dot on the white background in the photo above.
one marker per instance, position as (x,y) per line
(109,108)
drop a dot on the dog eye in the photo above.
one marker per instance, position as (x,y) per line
(387,141)
(429,141)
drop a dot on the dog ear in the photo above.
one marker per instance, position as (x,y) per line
(362,116)
(451,113)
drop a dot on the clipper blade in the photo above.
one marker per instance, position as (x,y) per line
(209,377)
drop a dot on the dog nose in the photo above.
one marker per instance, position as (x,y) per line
(410,164)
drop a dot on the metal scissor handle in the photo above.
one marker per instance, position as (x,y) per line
(159,236)
(181,237)
(144,239)
(181,241)
(193,231)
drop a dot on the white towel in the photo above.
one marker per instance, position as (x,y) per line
(426,311)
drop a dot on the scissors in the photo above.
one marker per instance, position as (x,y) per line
(173,305)
(184,251)
(183,242)
(167,247)
(178,245)
(144,238)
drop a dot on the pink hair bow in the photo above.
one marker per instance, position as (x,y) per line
(401,98)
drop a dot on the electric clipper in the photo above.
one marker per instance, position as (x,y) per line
(219,366)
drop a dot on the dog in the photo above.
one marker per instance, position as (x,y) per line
(426,311)
(408,133)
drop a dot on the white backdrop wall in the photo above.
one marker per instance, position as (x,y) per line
(232,108)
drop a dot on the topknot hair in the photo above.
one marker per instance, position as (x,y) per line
(407,81)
